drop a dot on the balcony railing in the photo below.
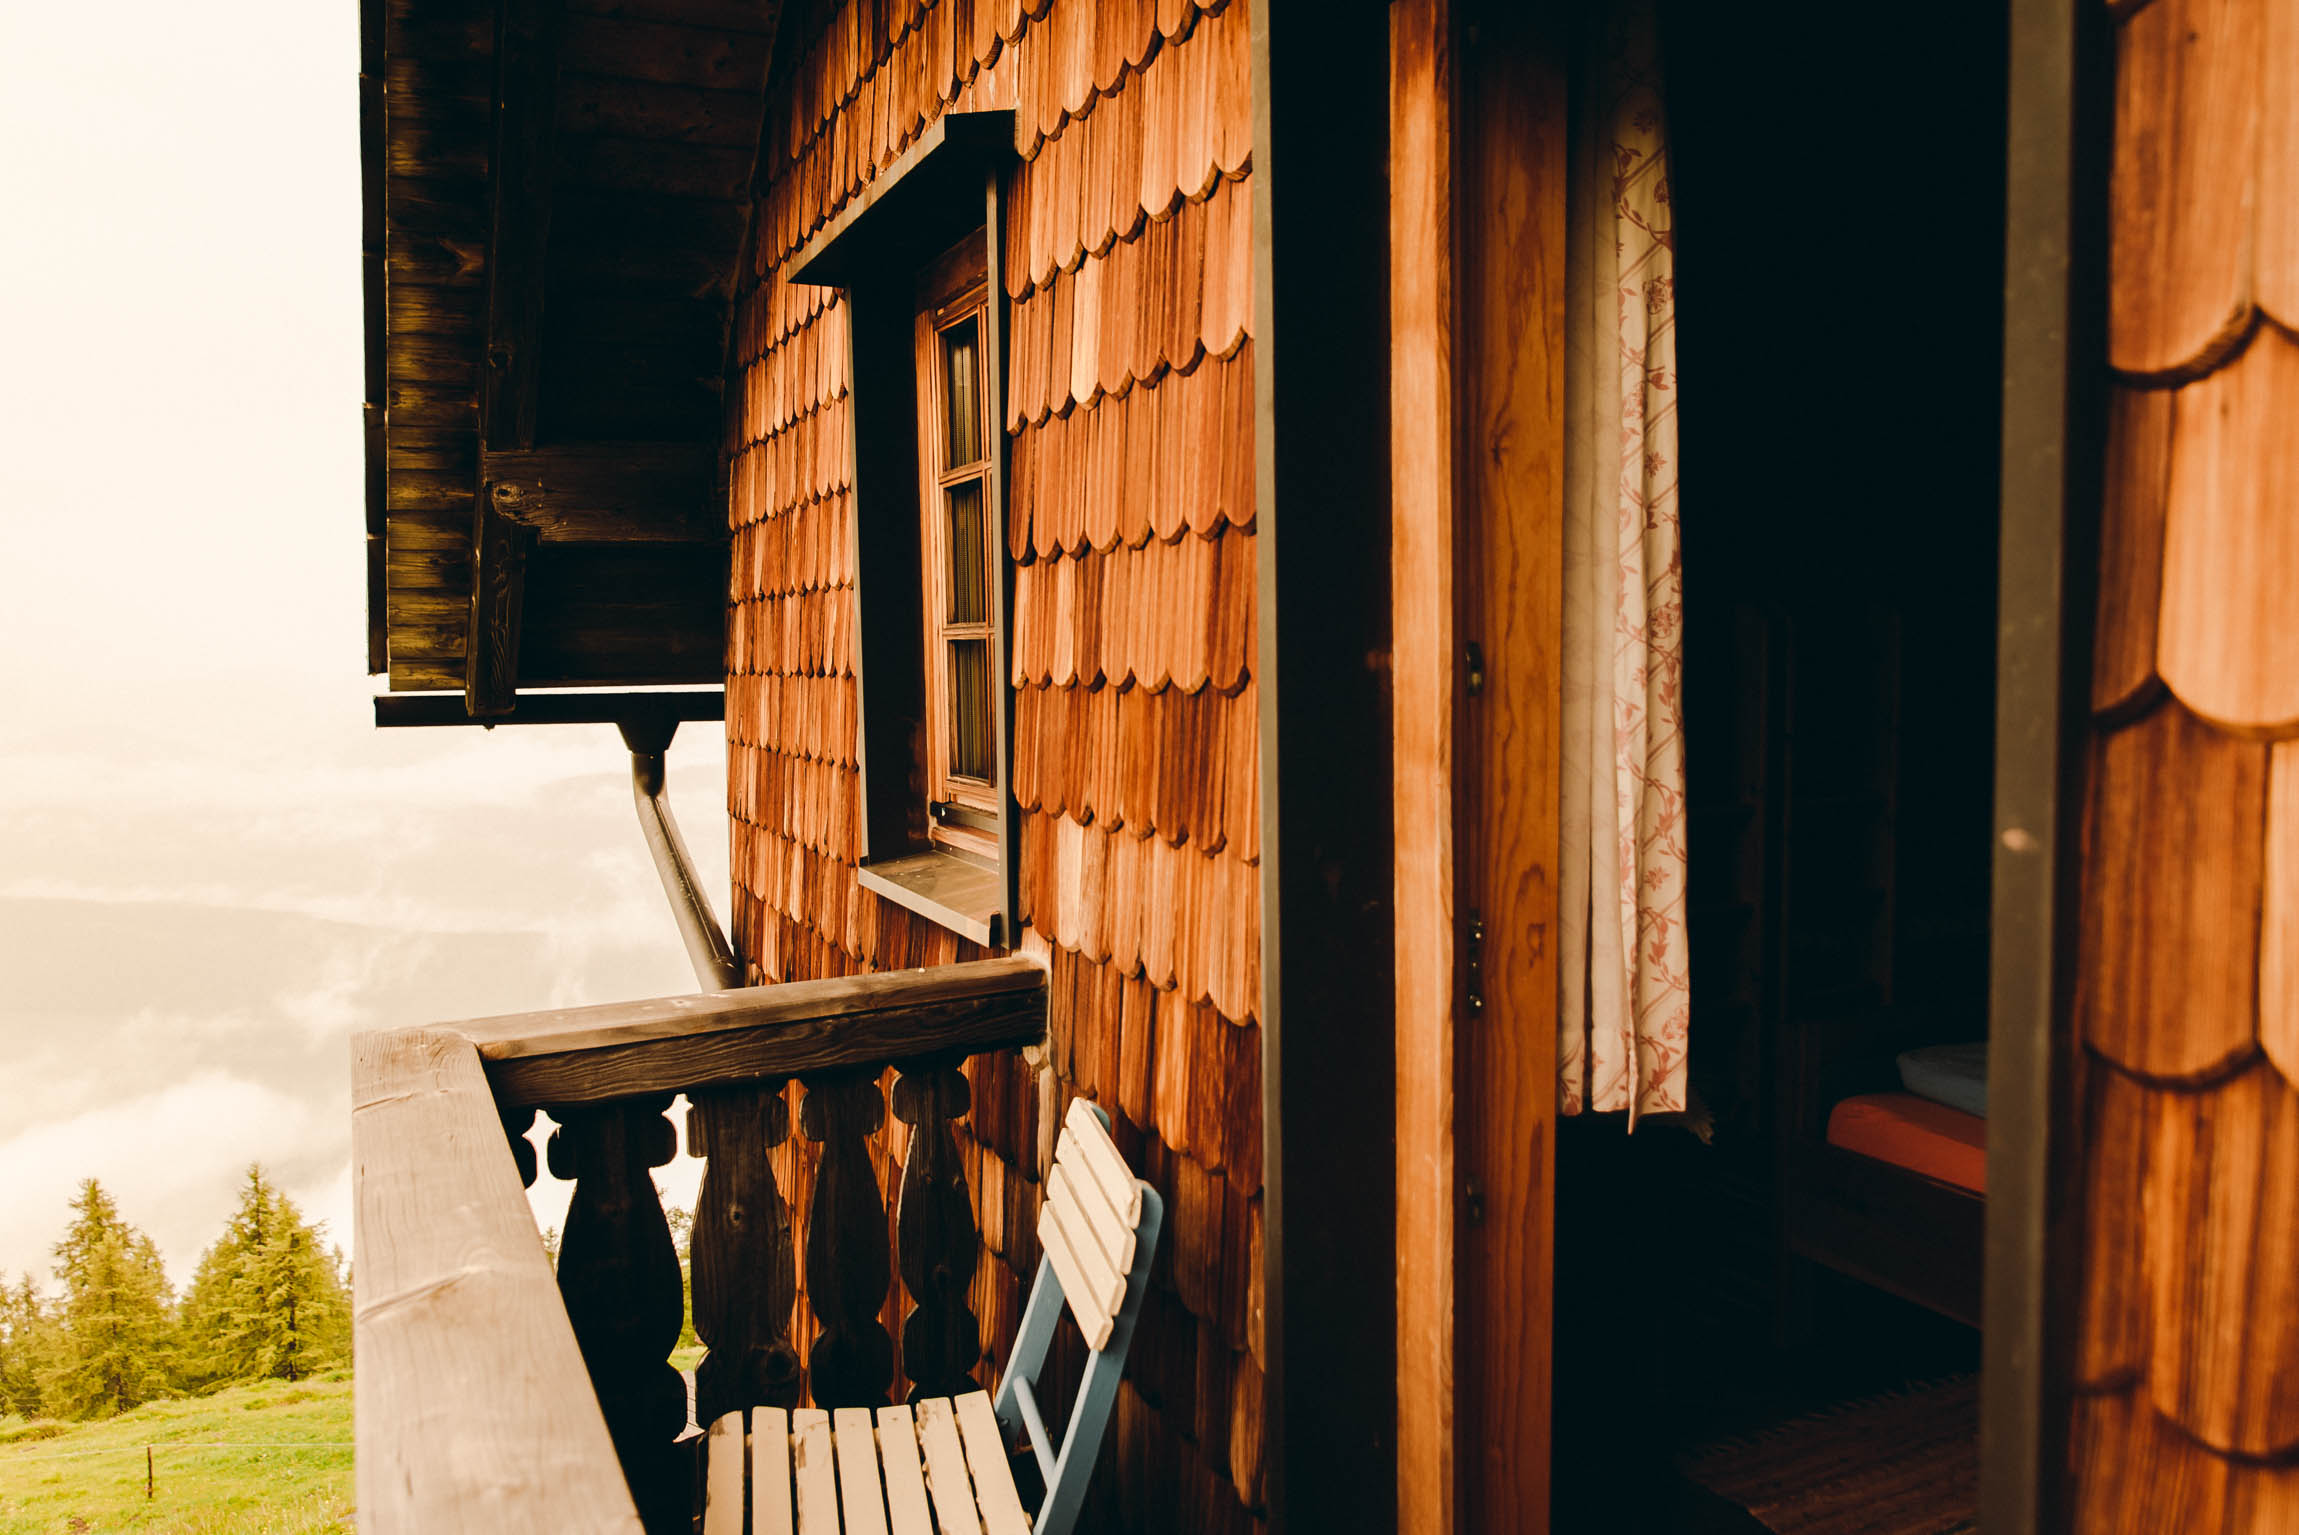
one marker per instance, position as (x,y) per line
(494,1395)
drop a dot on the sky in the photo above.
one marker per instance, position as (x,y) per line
(213,868)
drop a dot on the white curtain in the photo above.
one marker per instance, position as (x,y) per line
(1626,998)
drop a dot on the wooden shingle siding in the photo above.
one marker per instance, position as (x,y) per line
(2186,1362)
(1135,768)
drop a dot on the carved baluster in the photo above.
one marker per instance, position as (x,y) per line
(934,1236)
(852,1363)
(619,1275)
(516,1124)
(745,1273)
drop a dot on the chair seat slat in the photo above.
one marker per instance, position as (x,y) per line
(946,1476)
(993,1474)
(858,1490)
(814,1454)
(905,1479)
(723,1449)
(770,1512)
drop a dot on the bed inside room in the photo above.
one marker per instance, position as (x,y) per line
(1767,1308)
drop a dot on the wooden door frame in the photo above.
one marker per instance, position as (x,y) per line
(1477,239)
(2058,138)
(1452,549)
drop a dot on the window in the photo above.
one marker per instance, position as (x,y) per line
(959,542)
(916,256)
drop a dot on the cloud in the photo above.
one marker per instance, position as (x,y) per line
(170,1158)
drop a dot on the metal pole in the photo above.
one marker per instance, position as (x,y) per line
(707,949)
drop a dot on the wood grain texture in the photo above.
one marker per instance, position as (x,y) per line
(2222,1203)
(2275,232)
(474,1410)
(619,1279)
(2141,1476)
(2113,1308)
(2168,969)
(2131,551)
(671,1044)
(609,492)
(742,1256)
(1513,298)
(936,1244)
(1424,640)
(2228,646)
(520,194)
(852,1362)
(2189,83)
(2279,916)
(499,550)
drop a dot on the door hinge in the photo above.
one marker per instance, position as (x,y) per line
(1473,669)
(1473,958)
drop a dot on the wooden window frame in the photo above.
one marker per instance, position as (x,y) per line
(963,811)
(946,190)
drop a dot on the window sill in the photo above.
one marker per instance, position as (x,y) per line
(942,886)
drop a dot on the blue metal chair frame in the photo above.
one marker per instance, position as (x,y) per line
(1066,1470)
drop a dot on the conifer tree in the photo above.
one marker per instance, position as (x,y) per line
(28,1342)
(115,1342)
(268,1300)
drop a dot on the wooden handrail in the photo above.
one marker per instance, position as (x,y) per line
(474,1409)
(800,1028)
(485,1401)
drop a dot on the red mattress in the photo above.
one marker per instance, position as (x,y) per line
(1916,1133)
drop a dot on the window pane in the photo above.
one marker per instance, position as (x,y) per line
(970,754)
(961,394)
(968,571)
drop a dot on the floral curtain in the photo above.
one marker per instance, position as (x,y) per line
(1626,998)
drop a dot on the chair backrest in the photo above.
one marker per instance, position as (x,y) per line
(1098,1229)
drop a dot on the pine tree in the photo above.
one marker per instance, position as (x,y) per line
(115,1335)
(268,1300)
(28,1343)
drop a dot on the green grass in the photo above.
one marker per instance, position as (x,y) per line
(88,1478)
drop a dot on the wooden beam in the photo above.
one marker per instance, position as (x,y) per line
(673,1044)
(1328,1013)
(474,1409)
(498,593)
(608,492)
(526,111)
(1511,604)
(586,708)
(1426,644)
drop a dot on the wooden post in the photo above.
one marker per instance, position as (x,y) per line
(1321,535)
(935,1236)
(852,1363)
(1510,601)
(742,1259)
(619,1274)
(149,1493)
(1424,634)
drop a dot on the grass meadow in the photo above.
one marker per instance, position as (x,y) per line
(271,1458)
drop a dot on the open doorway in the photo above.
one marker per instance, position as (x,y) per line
(1767,1314)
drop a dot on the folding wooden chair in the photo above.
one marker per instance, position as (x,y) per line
(941,1465)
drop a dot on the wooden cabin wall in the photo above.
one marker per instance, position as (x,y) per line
(2186,1363)
(1130,432)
